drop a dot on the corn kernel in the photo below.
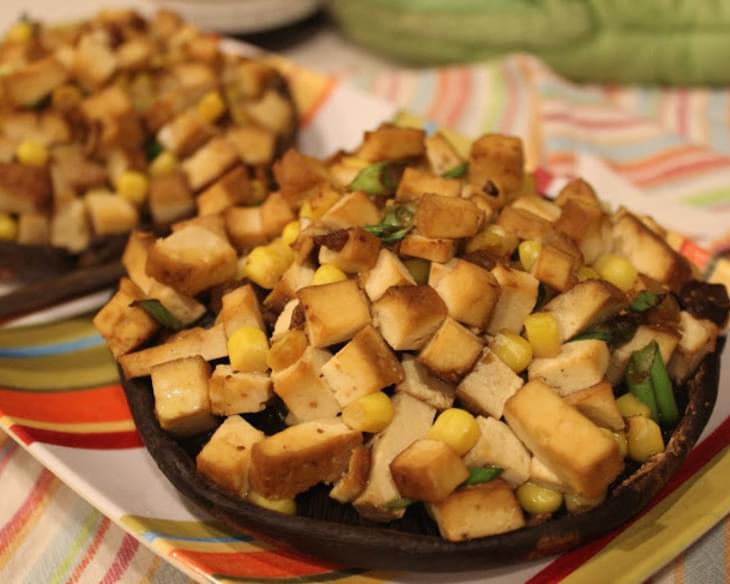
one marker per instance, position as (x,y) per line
(327,274)
(290,233)
(20,32)
(132,185)
(537,499)
(266,263)
(8,228)
(286,350)
(286,506)
(32,153)
(630,405)
(587,273)
(457,428)
(512,349)
(211,106)
(248,349)
(542,332)
(493,238)
(419,270)
(529,251)
(644,438)
(616,270)
(619,438)
(370,413)
(164,163)
(305,211)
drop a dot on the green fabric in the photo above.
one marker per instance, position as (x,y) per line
(662,41)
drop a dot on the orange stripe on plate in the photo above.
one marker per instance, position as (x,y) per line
(93,441)
(307,116)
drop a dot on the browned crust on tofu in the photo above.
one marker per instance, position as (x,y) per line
(24,188)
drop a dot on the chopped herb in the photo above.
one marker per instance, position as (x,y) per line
(458,171)
(152,149)
(396,223)
(614,333)
(638,378)
(156,310)
(399,503)
(644,301)
(379,179)
(478,475)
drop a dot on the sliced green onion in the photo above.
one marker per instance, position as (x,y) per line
(644,301)
(663,392)
(156,310)
(152,149)
(399,503)
(638,378)
(396,223)
(614,333)
(379,179)
(419,269)
(458,171)
(482,474)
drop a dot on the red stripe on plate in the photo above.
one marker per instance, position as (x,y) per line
(92,440)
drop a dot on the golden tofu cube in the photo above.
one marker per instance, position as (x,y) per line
(216,224)
(419,383)
(351,210)
(255,146)
(275,214)
(580,190)
(498,446)
(233,188)
(184,308)
(70,227)
(387,272)
(134,53)
(441,154)
(295,459)
(297,174)
(391,142)
(452,351)
(110,214)
(363,366)
(569,444)
(666,337)
(488,386)
(170,198)
(543,476)
(579,364)
(295,277)
(699,338)
(428,470)
(34,81)
(209,162)
(182,405)
(598,404)
(497,159)
(232,392)
(518,296)
(478,511)
(285,321)
(578,218)
(448,217)
(556,268)
(33,229)
(414,183)
(524,224)
(539,206)
(354,250)
(24,189)
(408,316)
(353,482)
(226,457)
(94,62)
(333,312)
(273,112)
(123,326)
(245,226)
(192,260)
(239,308)
(433,249)
(304,389)
(185,134)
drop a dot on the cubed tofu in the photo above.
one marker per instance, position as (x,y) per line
(452,351)
(110,214)
(352,209)
(33,229)
(432,249)
(94,62)
(524,224)
(353,251)
(297,174)
(478,511)
(698,339)
(580,364)
(555,268)
(226,457)
(666,337)
(299,457)
(24,188)
(295,277)
(447,217)
(123,326)
(34,81)
(569,444)
(441,154)
(543,476)
(488,386)
(284,321)
(518,296)
(304,389)
(182,405)
(333,312)
(273,112)
(408,316)
(428,470)
(587,224)
(233,392)
(351,484)
(364,365)
(469,292)
(170,198)
(245,226)
(598,404)
(216,224)
(70,227)
(185,134)
(135,53)
(584,305)
(391,142)
(419,383)
(275,214)
(579,189)
(255,146)
(209,162)
(498,159)
(498,446)
(415,182)
(184,308)
(239,308)
(233,188)
(191,260)
(387,272)
(539,206)
(209,343)
(412,419)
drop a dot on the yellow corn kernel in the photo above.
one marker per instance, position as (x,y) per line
(327,274)
(305,211)
(248,350)
(493,238)
(164,163)
(132,185)
(587,273)
(457,428)
(629,405)
(211,106)
(32,153)
(542,332)
(8,228)
(537,499)
(286,506)
(644,438)
(20,32)
(619,438)
(370,413)
(529,251)
(266,263)
(290,233)
(286,350)
(617,270)
(419,270)
(512,349)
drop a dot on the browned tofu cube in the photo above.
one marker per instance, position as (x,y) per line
(70,226)
(123,326)
(488,386)
(295,277)
(233,392)
(498,446)
(353,482)
(419,383)
(94,61)
(699,337)
(432,249)
(34,81)
(441,154)
(408,316)
(209,162)
(388,271)
(497,159)
(226,457)
(135,53)
(352,209)
(579,364)
(272,111)
(578,217)
(23,188)
(110,214)
(428,470)
(297,174)
(556,268)
(580,190)
(192,260)
(170,198)
(524,224)
(216,224)
(33,229)
(185,133)
(415,182)
(539,206)
(275,214)
(478,511)
(598,404)
(245,226)
(448,217)
(184,308)
(182,405)
(353,250)
(452,351)
(295,459)
(240,307)
(233,188)
(390,142)
(517,298)
(364,365)
(569,444)
(255,146)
